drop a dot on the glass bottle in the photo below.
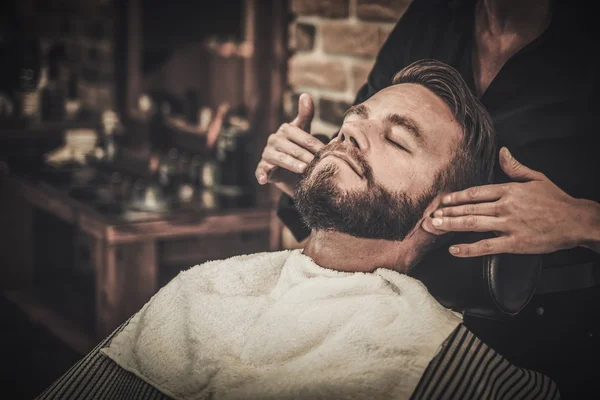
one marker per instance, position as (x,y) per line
(29,76)
(53,95)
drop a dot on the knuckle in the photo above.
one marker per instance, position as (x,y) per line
(266,154)
(509,203)
(450,211)
(470,209)
(495,208)
(310,142)
(471,221)
(473,192)
(485,246)
(282,129)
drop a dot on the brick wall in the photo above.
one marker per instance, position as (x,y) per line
(87,28)
(333,44)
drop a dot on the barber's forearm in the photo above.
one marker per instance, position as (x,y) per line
(590,233)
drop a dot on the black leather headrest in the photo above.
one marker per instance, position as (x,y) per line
(496,287)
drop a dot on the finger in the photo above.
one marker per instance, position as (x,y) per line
(428,227)
(515,170)
(482,247)
(475,194)
(301,138)
(262,171)
(283,160)
(468,209)
(470,223)
(292,149)
(306,112)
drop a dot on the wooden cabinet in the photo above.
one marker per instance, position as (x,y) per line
(96,274)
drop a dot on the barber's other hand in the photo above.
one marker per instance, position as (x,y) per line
(529,216)
(289,150)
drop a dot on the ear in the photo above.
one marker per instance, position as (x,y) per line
(442,237)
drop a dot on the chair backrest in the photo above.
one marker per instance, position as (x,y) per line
(497,286)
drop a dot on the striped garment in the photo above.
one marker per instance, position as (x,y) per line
(465,368)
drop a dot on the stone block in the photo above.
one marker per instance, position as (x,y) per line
(381,10)
(324,74)
(363,39)
(323,8)
(302,37)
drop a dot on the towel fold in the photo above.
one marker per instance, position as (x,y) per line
(277,325)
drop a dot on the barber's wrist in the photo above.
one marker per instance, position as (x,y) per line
(590,225)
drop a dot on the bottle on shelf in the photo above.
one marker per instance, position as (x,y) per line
(232,182)
(73,103)
(110,125)
(209,174)
(29,78)
(185,188)
(53,95)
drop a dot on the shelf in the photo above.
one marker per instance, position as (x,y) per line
(40,130)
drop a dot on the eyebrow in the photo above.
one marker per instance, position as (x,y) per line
(360,109)
(409,124)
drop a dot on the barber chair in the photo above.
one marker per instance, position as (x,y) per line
(500,286)
(494,287)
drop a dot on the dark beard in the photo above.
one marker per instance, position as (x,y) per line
(374,213)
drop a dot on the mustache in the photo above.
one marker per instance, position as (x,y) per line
(351,152)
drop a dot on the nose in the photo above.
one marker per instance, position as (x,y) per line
(351,134)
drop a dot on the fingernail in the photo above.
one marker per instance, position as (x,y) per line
(262,179)
(301,167)
(447,199)
(507,152)
(454,250)
(438,213)
(437,221)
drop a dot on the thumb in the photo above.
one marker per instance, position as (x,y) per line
(306,112)
(515,170)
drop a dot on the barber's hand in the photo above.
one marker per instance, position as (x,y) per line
(289,150)
(529,216)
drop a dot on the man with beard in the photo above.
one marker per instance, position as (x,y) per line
(339,319)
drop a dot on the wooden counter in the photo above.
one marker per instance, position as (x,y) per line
(126,261)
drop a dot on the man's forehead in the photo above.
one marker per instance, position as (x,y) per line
(410,96)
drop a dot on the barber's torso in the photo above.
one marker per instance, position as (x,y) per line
(542,101)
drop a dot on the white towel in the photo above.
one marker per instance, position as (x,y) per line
(278,326)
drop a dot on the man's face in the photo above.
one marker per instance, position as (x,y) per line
(376,178)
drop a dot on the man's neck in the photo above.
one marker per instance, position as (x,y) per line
(347,253)
(526,18)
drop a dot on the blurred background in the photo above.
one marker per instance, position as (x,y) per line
(129,136)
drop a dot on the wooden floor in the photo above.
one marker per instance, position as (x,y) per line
(32,356)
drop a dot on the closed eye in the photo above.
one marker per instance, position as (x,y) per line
(397,145)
